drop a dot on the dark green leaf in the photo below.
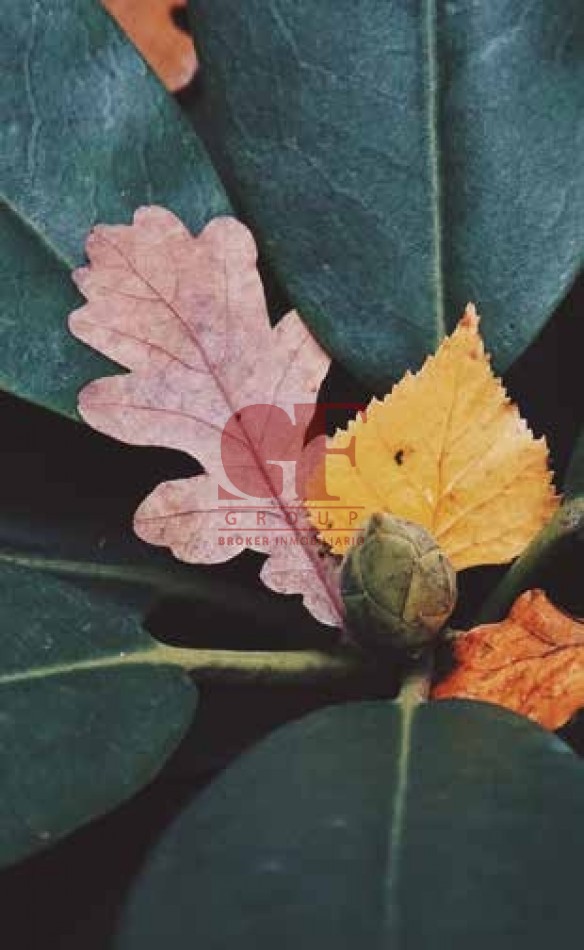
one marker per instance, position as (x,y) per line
(91,707)
(90,134)
(456,825)
(67,497)
(398,159)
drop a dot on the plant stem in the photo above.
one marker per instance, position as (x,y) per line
(567,521)
(299,667)
(418,680)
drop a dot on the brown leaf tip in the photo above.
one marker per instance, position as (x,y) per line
(470,319)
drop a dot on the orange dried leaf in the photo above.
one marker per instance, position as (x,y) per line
(532,662)
(151,26)
(445,449)
(187,316)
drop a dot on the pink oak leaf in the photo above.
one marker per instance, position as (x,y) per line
(208,376)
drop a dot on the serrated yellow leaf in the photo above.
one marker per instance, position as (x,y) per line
(448,450)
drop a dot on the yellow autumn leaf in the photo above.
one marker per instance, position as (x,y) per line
(445,449)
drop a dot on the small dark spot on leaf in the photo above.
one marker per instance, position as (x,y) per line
(399,457)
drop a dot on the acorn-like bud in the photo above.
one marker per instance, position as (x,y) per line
(398,587)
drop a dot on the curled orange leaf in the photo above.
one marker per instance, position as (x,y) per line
(532,663)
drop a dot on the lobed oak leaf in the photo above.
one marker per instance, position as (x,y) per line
(531,663)
(446,449)
(208,376)
(152,27)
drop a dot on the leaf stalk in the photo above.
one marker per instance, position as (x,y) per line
(568,521)
(295,667)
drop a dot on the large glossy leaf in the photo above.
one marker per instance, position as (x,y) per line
(91,705)
(453,825)
(90,134)
(398,158)
(65,512)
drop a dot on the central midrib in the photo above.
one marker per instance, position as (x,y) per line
(93,570)
(28,225)
(392,924)
(434,162)
(155,656)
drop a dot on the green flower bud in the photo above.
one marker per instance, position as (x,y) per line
(397,585)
